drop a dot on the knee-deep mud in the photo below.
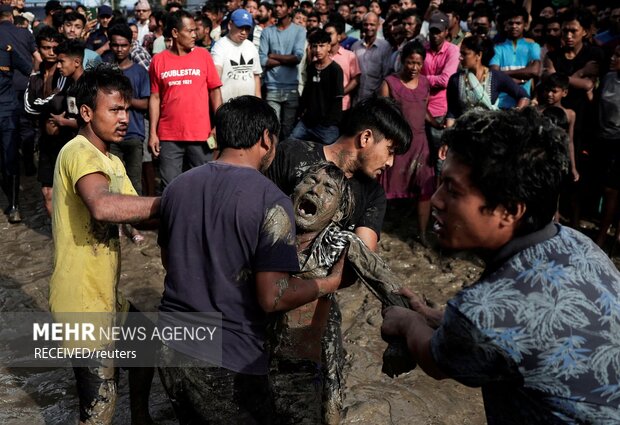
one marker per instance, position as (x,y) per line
(48,396)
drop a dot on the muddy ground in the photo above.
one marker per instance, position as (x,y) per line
(47,396)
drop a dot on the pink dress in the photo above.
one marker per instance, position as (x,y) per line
(412,175)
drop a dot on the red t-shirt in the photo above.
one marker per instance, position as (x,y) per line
(183,84)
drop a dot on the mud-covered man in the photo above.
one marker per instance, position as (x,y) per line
(92,193)
(227,238)
(536,332)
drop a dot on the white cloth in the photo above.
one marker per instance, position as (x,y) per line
(239,63)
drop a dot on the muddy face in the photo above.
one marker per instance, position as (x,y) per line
(316,202)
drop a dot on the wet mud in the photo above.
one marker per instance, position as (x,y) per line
(48,396)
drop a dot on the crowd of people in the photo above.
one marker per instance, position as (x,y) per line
(479,112)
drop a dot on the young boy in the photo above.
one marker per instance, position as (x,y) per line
(321,101)
(550,92)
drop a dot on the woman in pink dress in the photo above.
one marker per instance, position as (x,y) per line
(411,176)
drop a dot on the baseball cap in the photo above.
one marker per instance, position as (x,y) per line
(104,11)
(241,18)
(438,20)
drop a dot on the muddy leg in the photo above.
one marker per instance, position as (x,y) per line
(332,354)
(140,379)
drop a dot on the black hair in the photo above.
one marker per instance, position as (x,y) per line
(557,116)
(71,48)
(172,4)
(383,117)
(52,6)
(451,7)
(211,7)
(338,26)
(514,11)
(160,16)
(121,30)
(314,15)
(411,48)
(557,79)
(20,20)
(319,37)
(175,21)
(103,77)
(206,22)
(49,34)
(241,122)
(480,45)
(409,13)
(482,11)
(74,16)
(289,3)
(515,156)
(266,5)
(302,11)
(583,16)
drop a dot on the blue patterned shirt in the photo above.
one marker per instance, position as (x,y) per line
(539,332)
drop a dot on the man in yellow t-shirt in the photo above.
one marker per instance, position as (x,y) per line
(92,193)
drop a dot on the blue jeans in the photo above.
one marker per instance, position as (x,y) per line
(285,102)
(172,154)
(325,134)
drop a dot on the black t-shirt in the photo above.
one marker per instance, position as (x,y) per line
(322,96)
(576,98)
(292,160)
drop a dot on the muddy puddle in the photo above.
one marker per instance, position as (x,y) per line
(47,396)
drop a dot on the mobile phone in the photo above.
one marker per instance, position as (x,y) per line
(92,11)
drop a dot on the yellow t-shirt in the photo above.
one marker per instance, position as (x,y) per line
(87,251)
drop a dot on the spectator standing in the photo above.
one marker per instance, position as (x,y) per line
(264,19)
(236,58)
(517,57)
(73,28)
(23,42)
(441,62)
(142,10)
(184,85)
(281,50)
(321,101)
(11,60)
(204,26)
(98,39)
(453,11)
(347,61)
(373,55)
(411,176)
(476,86)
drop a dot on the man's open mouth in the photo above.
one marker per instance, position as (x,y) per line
(307,208)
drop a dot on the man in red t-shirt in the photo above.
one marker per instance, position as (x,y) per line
(184,82)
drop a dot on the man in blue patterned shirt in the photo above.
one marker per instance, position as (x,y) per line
(539,332)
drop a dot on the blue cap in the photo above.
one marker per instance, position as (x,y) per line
(105,11)
(241,18)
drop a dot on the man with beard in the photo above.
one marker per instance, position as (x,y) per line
(92,193)
(537,330)
(517,57)
(264,19)
(236,58)
(238,264)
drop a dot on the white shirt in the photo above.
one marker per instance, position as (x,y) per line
(239,63)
